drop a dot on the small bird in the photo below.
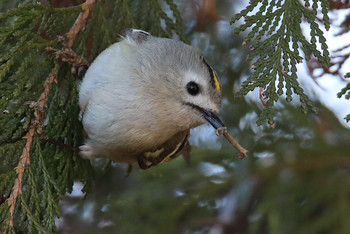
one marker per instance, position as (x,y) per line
(141,96)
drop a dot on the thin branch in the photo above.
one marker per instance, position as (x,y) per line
(223,132)
(36,125)
(81,21)
(69,148)
(66,54)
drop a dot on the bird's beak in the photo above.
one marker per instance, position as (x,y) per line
(210,116)
(213,119)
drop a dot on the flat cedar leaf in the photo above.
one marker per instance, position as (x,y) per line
(276,37)
(347,118)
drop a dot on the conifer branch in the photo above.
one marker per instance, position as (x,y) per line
(39,115)
(276,40)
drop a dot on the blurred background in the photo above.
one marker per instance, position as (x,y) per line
(295,179)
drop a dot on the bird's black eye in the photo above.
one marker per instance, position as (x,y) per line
(192,88)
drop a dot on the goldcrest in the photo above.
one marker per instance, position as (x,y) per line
(141,96)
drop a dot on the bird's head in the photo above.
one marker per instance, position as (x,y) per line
(183,86)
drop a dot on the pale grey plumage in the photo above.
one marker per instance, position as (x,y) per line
(134,101)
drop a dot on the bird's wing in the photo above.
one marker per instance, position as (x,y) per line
(166,152)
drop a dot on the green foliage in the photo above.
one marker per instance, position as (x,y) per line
(345,92)
(295,180)
(25,33)
(26,30)
(305,190)
(277,38)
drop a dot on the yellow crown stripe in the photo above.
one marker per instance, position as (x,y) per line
(217,83)
(213,77)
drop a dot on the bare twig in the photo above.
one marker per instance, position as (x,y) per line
(223,132)
(69,148)
(66,54)
(80,22)
(23,161)
(36,125)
